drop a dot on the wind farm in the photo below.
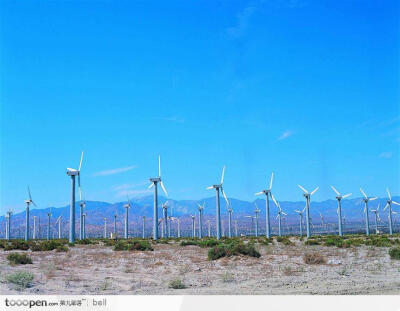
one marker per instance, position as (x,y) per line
(199,148)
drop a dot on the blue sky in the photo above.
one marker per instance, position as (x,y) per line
(307,89)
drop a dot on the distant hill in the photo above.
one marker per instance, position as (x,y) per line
(96,211)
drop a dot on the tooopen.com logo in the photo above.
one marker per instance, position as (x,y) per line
(25,303)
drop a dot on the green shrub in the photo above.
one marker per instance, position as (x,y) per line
(284,240)
(84,242)
(20,279)
(189,242)
(19,259)
(16,244)
(312,242)
(334,241)
(62,248)
(176,284)
(382,241)
(395,253)
(231,249)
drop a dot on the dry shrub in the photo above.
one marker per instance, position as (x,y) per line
(314,258)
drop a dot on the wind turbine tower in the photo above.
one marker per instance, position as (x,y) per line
(126,206)
(34,228)
(339,198)
(73,173)
(154,181)
(301,219)
(209,228)
(376,211)
(193,226)
(217,188)
(144,227)
(82,204)
(165,221)
(58,221)
(230,211)
(201,208)
(267,193)
(105,228)
(48,224)
(308,195)
(28,202)
(256,212)
(389,205)
(366,200)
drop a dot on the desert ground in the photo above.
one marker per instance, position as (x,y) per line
(281,269)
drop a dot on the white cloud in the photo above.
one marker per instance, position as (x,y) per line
(114,171)
(285,134)
(386,155)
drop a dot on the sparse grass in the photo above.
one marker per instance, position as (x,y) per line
(176,284)
(394,253)
(20,279)
(227,277)
(314,258)
(312,241)
(19,259)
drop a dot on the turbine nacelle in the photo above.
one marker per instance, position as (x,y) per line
(72,172)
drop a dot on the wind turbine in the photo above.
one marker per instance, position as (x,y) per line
(193,226)
(48,224)
(236,228)
(179,227)
(366,200)
(144,227)
(256,212)
(339,198)
(154,181)
(84,223)
(59,226)
(115,223)
(301,219)
(105,227)
(73,173)
(165,217)
(34,228)
(308,195)
(267,192)
(322,222)
(8,224)
(28,202)
(376,211)
(209,228)
(389,204)
(201,208)
(279,216)
(127,206)
(230,211)
(82,204)
(218,214)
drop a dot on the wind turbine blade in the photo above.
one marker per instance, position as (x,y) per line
(199,205)
(80,163)
(259,193)
(211,187)
(337,192)
(386,206)
(304,209)
(34,203)
(297,211)
(284,213)
(395,203)
(151,185)
(346,195)
(159,166)
(372,199)
(271,181)
(163,188)
(273,199)
(223,174)
(390,197)
(302,188)
(315,190)
(29,192)
(223,193)
(379,205)
(277,216)
(362,191)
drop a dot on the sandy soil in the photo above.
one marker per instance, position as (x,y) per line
(95,269)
